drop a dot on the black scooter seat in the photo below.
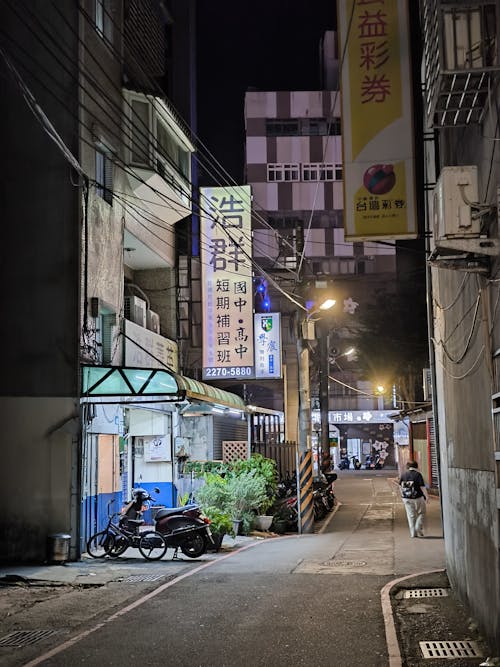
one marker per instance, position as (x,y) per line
(169,511)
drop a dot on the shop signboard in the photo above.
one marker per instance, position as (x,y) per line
(226,252)
(267,336)
(377,128)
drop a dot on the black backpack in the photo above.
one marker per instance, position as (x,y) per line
(409,490)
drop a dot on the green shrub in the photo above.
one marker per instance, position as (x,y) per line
(220,522)
(245,492)
(213,493)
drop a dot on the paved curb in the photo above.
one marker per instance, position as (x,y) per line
(391,636)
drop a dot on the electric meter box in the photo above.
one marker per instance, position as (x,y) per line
(454,193)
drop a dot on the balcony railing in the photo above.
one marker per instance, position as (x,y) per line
(461,58)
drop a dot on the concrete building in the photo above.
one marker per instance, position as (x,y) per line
(99,174)
(461,75)
(294,166)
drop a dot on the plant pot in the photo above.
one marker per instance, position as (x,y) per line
(236,526)
(263,522)
(280,526)
(217,538)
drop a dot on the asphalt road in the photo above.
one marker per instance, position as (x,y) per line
(298,600)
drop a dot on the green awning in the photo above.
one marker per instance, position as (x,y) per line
(99,381)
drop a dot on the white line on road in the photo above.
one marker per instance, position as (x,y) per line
(133,605)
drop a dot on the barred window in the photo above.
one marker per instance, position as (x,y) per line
(279,172)
(317,171)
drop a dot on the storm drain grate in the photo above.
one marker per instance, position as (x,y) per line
(136,578)
(458,649)
(24,637)
(426,593)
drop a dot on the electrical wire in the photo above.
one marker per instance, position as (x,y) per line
(237,244)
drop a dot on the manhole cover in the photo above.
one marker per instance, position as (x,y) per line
(136,578)
(346,563)
(25,637)
(426,593)
(457,649)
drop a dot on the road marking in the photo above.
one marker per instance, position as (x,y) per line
(74,640)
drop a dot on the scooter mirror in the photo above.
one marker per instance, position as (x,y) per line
(156,489)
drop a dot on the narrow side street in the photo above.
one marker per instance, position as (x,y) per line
(296,600)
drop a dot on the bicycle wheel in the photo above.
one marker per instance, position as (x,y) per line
(152,545)
(100,544)
(120,545)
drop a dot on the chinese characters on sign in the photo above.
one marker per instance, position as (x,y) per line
(226,250)
(377,120)
(267,328)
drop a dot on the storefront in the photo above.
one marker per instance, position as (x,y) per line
(138,428)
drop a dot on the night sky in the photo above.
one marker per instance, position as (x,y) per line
(259,44)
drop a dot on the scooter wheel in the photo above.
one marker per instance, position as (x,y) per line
(152,545)
(194,546)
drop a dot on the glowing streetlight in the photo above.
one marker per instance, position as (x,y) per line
(327,304)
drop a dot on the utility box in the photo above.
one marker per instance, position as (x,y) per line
(454,193)
(58,548)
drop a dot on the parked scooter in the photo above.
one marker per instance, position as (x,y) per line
(344,463)
(324,486)
(183,528)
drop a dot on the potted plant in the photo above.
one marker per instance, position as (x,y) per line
(220,524)
(245,493)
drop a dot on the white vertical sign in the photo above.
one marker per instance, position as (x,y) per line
(226,251)
(267,335)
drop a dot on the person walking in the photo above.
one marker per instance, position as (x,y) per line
(415,498)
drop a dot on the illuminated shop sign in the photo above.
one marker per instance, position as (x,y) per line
(267,335)
(225,251)
(377,129)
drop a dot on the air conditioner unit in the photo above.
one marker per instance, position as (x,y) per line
(135,310)
(152,321)
(455,190)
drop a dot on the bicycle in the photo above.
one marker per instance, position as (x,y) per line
(116,538)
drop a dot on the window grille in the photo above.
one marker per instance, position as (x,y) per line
(281,172)
(104,176)
(317,171)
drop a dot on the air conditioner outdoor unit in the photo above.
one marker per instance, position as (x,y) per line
(135,310)
(152,321)
(453,216)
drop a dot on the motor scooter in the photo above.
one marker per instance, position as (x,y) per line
(183,528)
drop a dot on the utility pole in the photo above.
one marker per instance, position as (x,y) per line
(324,371)
(304,467)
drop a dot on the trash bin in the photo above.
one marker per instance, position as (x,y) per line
(58,547)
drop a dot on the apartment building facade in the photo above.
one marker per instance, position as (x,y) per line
(461,74)
(100,174)
(294,166)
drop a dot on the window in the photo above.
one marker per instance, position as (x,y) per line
(140,130)
(103,19)
(156,143)
(313,127)
(296,127)
(317,171)
(279,172)
(282,127)
(104,176)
